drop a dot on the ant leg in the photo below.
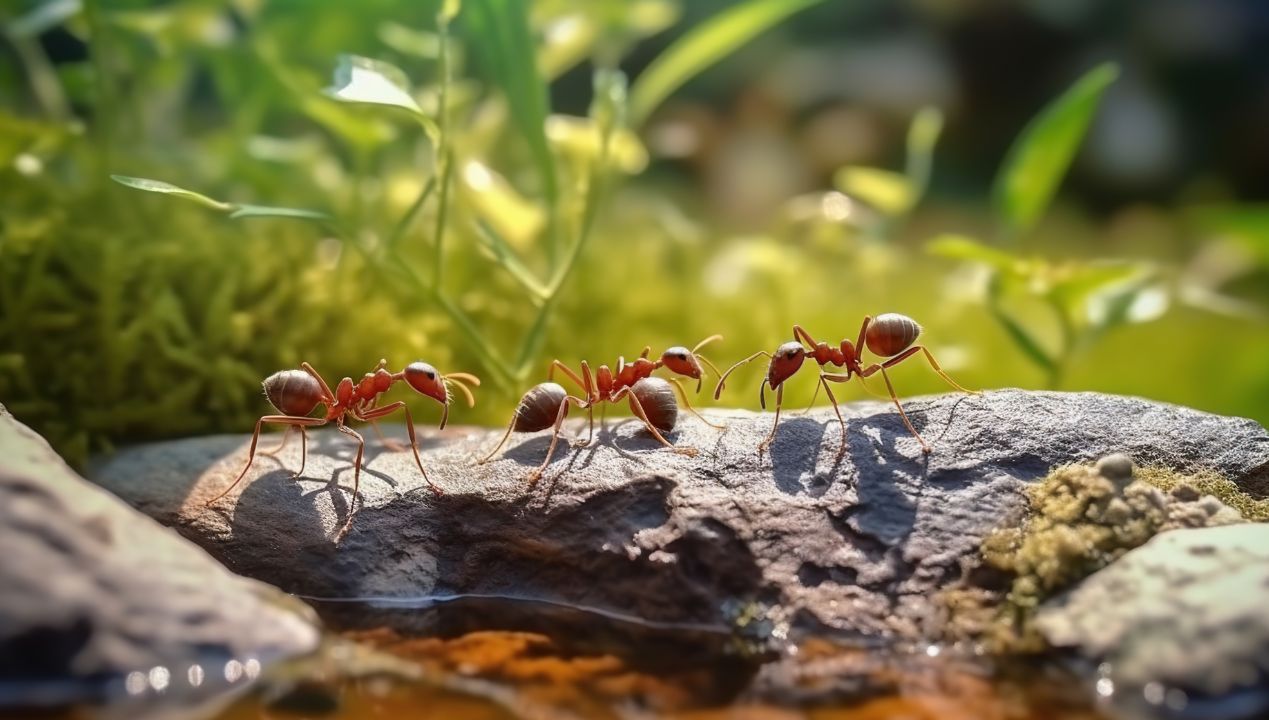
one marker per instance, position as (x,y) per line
(762,447)
(510,426)
(934,365)
(390,443)
(556,364)
(638,408)
(536,473)
(303,450)
(870,370)
(590,431)
(352,506)
(255,439)
(409,427)
(800,334)
(722,380)
(863,335)
(325,388)
(815,395)
(688,406)
(286,435)
(825,379)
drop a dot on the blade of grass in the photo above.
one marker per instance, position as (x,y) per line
(703,46)
(510,260)
(503,39)
(1041,154)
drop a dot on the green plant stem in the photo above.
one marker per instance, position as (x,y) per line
(444,156)
(403,225)
(45,86)
(104,115)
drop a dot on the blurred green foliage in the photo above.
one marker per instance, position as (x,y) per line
(392,181)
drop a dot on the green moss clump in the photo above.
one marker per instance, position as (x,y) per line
(1083,517)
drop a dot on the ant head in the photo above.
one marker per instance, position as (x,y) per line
(682,361)
(785,362)
(427,381)
(293,392)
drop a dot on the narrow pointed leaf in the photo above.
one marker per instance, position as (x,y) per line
(164,188)
(703,46)
(265,211)
(1041,155)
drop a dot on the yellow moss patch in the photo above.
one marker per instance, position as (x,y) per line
(1080,520)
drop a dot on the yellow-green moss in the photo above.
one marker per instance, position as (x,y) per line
(1079,521)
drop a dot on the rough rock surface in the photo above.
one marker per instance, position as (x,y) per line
(1187,611)
(857,542)
(99,602)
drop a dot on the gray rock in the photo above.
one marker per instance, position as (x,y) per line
(857,543)
(99,602)
(1187,611)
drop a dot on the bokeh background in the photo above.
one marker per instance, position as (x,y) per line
(599,186)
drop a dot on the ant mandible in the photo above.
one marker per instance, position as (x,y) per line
(296,393)
(890,336)
(651,398)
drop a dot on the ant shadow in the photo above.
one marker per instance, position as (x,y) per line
(795,454)
(884,510)
(277,499)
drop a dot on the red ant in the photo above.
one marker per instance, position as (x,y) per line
(651,398)
(296,393)
(889,336)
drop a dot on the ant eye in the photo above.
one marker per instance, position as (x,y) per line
(681,356)
(431,375)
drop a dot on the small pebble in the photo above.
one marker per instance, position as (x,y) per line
(1117,467)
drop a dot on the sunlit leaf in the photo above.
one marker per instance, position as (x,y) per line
(264,211)
(566,42)
(495,200)
(580,138)
(1041,154)
(1078,282)
(923,135)
(409,41)
(449,11)
(961,247)
(889,192)
(703,46)
(502,38)
(158,186)
(45,16)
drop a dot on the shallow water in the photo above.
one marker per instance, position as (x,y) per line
(550,661)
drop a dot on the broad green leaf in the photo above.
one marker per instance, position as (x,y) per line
(960,247)
(501,36)
(45,16)
(158,186)
(888,192)
(1074,285)
(374,82)
(923,135)
(1041,154)
(264,211)
(703,46)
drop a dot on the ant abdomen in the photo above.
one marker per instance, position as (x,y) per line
(891,333)
(539,407)
(656,397)
(293,392)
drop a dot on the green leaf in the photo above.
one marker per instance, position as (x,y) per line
(501,36)
(265,211)
(158,186)
(449,11)
(1246,223)
(703,46)
(888,192)
(1040,156)
(1083,281)
(923,135)
(1023,339)
(961,247)
(365,81)
(45,16)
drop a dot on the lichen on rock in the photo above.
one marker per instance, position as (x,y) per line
(1081,518)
